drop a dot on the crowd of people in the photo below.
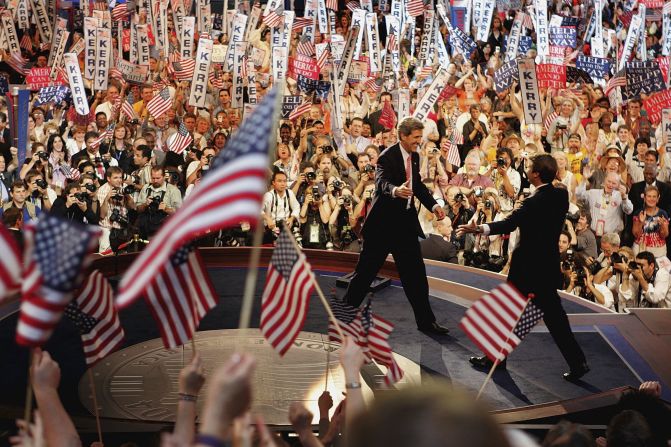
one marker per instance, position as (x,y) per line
(115,172)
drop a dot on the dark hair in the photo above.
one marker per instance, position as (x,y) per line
(408,125)
(629,429)
(647,256)
(567,434)
(145,149)
(545,165)
(17,184)
(505,150)
(91,134)
(113,170)
(277,172)
(642,140)
(11,216)
(69,187)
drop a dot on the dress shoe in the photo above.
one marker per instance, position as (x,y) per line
(435,328)
(484,363)
(575,374)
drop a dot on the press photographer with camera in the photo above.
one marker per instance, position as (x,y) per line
(198,167)
(459,210)
(280,207)
(365,174)
(306,180)
(156,201)
(116,201)
(38,161)
(314,217)
(506,179)
(644,284)
(39,193)
(489,251)
(342,223)
(75,204)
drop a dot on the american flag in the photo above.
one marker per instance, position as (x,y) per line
(109,132)
(424,72)
(323,58)
(115,73)
(352,5)
(305,47)
(300,23)
(619,79)
(368,331)
(100,6)
(391,42)
(499,321)
(215,80)
(10,264)
(184,69)
(119,12)
(230,193)
(127,107)
(173,57)
(181,140)
(18,63)
(180,296)
(286,296)
(160,103)
(94,314)
(526,21)
(387,116)
(415,8)
(372,84)
(69,172)
(549,119)
(304,107)
(332,5)
(667,8)
(450,145)
(56,253)
(274,19)
(26,42)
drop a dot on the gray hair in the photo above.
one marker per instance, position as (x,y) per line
(611,239)
(408,125)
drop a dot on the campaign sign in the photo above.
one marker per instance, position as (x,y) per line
(504,76)
(663,62)
(643,77)
(289,103)
(596,67)
(655,104)
(303,65)
(551,75)
(55,94)
(523,47)
(38,77)
(563,36)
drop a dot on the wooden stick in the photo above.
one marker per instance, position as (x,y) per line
(325,302)
(328,369)
(487,379)
(29,392)
(95,406)
(253,266)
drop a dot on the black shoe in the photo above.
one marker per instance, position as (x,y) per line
(435,328)
(484,363)
(575,374)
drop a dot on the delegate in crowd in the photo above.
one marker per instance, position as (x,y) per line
(109,170)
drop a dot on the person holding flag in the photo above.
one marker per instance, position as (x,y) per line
(534,268)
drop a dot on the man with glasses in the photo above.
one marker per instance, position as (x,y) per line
(644,283)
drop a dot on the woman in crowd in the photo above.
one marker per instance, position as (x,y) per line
(651,225)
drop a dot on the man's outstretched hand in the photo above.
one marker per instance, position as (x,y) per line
(470,227)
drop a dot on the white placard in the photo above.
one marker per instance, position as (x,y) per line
(374,57)
(41,18)
(346,60)
(425,105)
(10,33)
(237,93)
(484,21)
(103,50)
(311,13)
(90,33)
(280,55)
(238,33)
(142,45)
(186,37)
(200,73)
(76,84)
(425,43)
(531,98)
(358,21)
(322,17)
(542,37)
(58,57)
(632,37)
(514,37)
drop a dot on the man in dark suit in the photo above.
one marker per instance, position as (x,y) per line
(439,246)
(534,268)
(392,226)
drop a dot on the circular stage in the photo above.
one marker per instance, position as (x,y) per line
(141,382)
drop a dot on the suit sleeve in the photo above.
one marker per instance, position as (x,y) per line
(513,221)
(383,176)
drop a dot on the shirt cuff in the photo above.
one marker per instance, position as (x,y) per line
(485,229)
(393,191)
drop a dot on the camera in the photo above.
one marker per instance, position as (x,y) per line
(310,176)
(633,265)
(458,197)
(129,189)
(562,126)
(435,150)
(154,202)
(80,196)
(42,156)
(368,169)
(135,122)
(594,267)
(346,200)
(327,149)
(488,204)
(117,217)
(478,191)
(172,176)
(98,160)
(616,258)
(90,187)
(500,163)
(347,236)
(41,183)
(315,192)
(569,262)
(526,192)
(337,185)
(573,218)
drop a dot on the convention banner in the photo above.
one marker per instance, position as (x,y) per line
(596,67)
(425,42)
(22,14)
(236,35)
(200,73)
(439,45)
(102,59)
(54,94)
(133,56)
(632,37)
(289,103)
(310,13)
(542,37)
(514,38)
(551,76)
(666,27)
(42,20)
(484,10)
(286,29)
(403,103)
(654,105)
(425,105)
(393,29)
(38,77)
(238,90)
(504,76)
(346,59)
(252,21)
(323,18)
(643,77)
(563,36)
(597,47)
(334,99)
(76,84)
(161,28)
(531,98)
(358,22)
(90,33)
(178,13)
(142,45)
(279,62)
(374,57)
(186,37)
(304,66)
(133,72)
(642,50)
(252,97)
(10,33)
(58,58)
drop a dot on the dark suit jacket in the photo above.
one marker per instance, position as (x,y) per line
(388,215)
(436,248)
(535,262)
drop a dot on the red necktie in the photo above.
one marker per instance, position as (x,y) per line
(408,171)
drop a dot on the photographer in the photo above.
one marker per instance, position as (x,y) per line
(115,202)
(644,284)
(197,168)
(314,215)
(459,212)
(585,239)
(39,193)
(506,179)
(365,175)
(279,207)
(156,202)
(342,222)
(74,204)
(306,180)
(489,251)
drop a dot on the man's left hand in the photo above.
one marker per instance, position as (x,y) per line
(439,213)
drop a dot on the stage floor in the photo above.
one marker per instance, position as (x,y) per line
(534,368)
